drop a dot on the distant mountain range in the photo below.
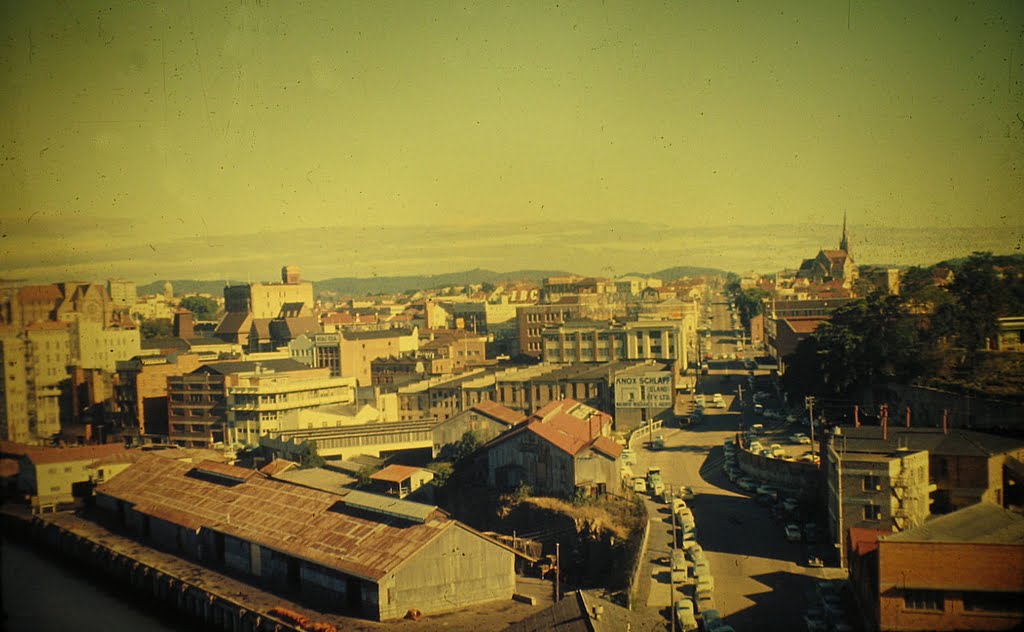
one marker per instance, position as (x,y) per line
(395,284)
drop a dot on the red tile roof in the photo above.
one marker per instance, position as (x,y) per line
(499,412)
(39,293)
(394,473)
(864,541)
(570,426)
(606,446)
(305,523)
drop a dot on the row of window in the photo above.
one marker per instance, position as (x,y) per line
(973,600)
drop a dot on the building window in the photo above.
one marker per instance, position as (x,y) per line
(924,600)
(872,512)
(983,601)
(871,484)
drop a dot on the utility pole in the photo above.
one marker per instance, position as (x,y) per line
(558,570)
(671,584)
(809,404)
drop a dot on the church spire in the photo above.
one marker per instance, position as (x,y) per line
(844,245)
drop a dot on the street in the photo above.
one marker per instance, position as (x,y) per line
(761,581)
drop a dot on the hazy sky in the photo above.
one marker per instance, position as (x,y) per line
(140,135)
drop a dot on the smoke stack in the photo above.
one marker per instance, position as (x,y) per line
(885,422)
(856,416)
(945,421)
(908,416)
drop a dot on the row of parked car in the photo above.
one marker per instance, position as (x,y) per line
(784,508)
(690,569)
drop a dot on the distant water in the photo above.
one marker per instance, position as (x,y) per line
(41,595)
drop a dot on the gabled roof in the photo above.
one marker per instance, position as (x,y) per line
(366,540)
(496,411)
(260,328)
(569,426)
(277,466)
(234,323)
(292,327)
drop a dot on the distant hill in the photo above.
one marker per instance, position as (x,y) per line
(361,286)
(395,284)
(678,272)
(186,286)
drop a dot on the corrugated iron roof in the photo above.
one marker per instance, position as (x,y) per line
(277,466)
(41,456)
(394,473)
(356,537)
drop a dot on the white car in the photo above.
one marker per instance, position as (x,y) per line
(800,438)
(628,457)
(685,616)
(746,484)
(793,533)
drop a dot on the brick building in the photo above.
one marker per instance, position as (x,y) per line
(961,571)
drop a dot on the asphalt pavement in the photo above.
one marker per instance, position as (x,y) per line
(761,580)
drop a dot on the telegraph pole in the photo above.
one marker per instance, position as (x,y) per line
(809,404)
(558,570)
(671,584)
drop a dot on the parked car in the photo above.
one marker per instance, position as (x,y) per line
(800,438)
(686,493)
(685,617)
(628,457)
(793,533)
(790,504)
(746,484)
(639,484)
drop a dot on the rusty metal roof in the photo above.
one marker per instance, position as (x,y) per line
(394,473)
(40,456)
(308,524)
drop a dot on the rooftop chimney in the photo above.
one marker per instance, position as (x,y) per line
(184,324)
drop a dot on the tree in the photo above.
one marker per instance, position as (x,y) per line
(442,472)
(309,456)
(203,308)
(457,451)
(866,342)
(155,327)
(750,303)
(979,297)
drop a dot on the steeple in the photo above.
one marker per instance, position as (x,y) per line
(844,245)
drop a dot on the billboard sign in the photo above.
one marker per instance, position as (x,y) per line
(649,390)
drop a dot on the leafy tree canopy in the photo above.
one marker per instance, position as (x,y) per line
(203,308)
(155,328)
